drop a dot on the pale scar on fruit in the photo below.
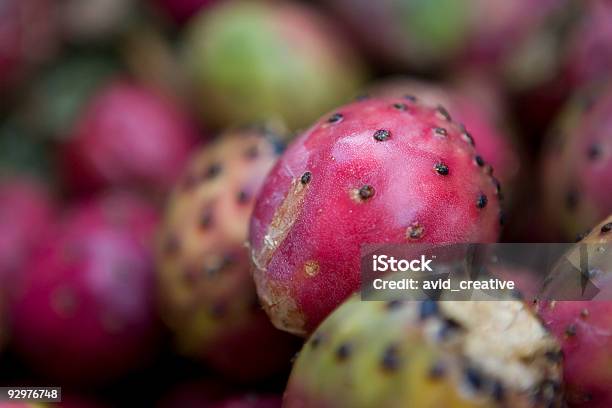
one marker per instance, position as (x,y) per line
(276,299)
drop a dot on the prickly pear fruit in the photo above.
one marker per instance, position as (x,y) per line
(584,328)
(381,170)
(408,33)
(207,293)
(428,354)
(85,309)
(577,172)
(128,136)
(492,141)
(285,49)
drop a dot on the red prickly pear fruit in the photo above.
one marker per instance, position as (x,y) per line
(584,328)
(29,37)
(428,354)
(180,11)
(492,141)
(379,170)
(285,49)
(577,164)
(207,292)
(128,136)
(85,310)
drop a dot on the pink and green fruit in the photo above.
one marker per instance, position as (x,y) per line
(84,310)
(207,294)
(482,115)
(577,163)
(389,170)
(252,61)
(584,328)
(128,136)
(428,354)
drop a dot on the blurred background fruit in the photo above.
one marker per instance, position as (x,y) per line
(207,292)
(84,306)
(151,138)
(254,60)
(180,11)
(577,163)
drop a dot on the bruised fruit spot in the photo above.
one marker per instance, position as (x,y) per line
(441,169)
(415,231)
(335,118)
(311,268)
(381,135)
(362,194)
(279,304)
(440,132)
(442,113)
(481,201)
(282,221)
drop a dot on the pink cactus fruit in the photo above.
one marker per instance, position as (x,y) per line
(387,170)
(85,310)
(128,136)
(577,164)
(207,293)
(584,328)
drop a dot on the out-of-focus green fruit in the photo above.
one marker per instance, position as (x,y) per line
(259,60)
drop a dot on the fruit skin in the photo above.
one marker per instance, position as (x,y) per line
(180,11)
(407,33)
(29,37)
(128,136)
(577,163)
(374,171)
(85,311)
(428,354)
(207,294)
(480,114)
(583,328)
(285,49)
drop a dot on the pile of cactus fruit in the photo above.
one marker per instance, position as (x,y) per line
(191,191)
